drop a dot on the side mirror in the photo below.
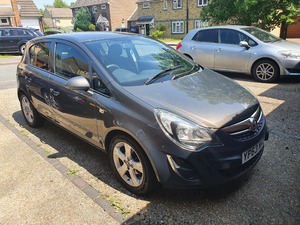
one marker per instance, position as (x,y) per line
(78,83)
(244,44)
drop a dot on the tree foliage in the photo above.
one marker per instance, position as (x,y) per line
(83,19)
(266,14)
(60,4)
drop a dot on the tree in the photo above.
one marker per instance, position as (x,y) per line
(60,4)
(266,14)
(83,19)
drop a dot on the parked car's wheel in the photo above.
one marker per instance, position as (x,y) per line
(32,117)
(22,48)
(265,71)
(131,165)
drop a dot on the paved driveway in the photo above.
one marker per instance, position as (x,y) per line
(270,195)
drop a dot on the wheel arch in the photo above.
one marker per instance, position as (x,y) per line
(261,59)
(113,133)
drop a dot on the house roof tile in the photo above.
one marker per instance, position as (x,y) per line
(6,11)
(60,12)
(81,3)
(28,9)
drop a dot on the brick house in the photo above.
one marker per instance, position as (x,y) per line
(107,14)
(177,16)
(58,18)
(20,13)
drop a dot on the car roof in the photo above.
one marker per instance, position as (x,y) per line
(86,36)
(235,27)
(19,28)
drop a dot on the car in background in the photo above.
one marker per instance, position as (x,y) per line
(49,32)
(242,49)
(122,30)
(160,117)
(13,39)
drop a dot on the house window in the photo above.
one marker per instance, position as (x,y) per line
(200,23)
(4,21)
(202,2)
(177,4)
(165,5)
(178,27)
(146,5)
(94,9)
(103,6)
(76,11)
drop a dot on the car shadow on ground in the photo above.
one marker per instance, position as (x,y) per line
(97,163)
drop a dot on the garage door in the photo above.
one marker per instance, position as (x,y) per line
(294,30)
(34,23)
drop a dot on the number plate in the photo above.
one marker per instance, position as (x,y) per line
(249,154)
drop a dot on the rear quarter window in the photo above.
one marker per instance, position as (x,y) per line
(210,35)
(39,55)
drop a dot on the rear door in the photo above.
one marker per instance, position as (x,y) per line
(75,110)
(203,45)
(9,40)
(36,77)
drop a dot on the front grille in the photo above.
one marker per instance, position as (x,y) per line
(248,128)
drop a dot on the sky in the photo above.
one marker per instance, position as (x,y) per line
(40,3)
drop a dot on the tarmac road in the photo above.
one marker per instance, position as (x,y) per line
(270,195)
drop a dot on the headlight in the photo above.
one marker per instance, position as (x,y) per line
(290,54)
(183,132)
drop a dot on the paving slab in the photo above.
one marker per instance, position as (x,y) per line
(32,191)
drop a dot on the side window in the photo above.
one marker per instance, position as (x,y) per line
(24,33)
(69,62)
(39,55)
(210,35)
(229,37)
(98,84)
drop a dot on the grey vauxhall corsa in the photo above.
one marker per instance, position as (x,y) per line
(242,49)
(160,117)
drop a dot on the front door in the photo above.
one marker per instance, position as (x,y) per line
(75,110)
(229,55)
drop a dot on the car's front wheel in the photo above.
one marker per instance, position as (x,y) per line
(32,117)
(265,71)
(131,165)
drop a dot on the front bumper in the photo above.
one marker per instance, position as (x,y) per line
(290,67)
(210,166)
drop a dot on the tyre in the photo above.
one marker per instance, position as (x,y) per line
(131,166)
(22,48)
(32,117)
(265,71)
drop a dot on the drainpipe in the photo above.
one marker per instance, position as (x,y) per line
(16,11)
(187,16)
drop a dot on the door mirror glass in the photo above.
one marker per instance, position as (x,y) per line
(78,83)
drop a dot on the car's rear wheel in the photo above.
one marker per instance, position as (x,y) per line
(131,165)
(22,48)
(32,117)
(265,71)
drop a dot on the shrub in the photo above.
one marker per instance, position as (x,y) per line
(92,27)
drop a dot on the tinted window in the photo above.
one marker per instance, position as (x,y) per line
(69,62)
(210,35)
(39,55)
(229,37)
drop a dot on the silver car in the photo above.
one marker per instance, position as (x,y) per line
(242,49)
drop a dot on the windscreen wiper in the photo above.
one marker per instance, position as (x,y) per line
(195,67)
(161,74)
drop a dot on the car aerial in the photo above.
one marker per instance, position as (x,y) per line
(162,118)
(13,39)
(242,49)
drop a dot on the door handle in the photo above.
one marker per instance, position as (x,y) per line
(54,92)
(193,47)
(28,79)
(219,50)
